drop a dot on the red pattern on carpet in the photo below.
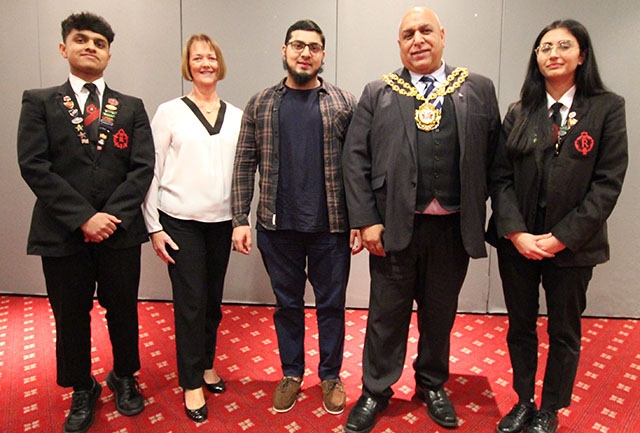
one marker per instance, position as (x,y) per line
(606,397)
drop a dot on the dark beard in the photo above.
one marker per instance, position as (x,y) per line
(301,79)
(298,78)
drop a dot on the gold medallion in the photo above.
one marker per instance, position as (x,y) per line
(428,117)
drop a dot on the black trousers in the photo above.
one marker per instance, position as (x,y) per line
(71,282)
(430,271)
(565,293)
(197,280)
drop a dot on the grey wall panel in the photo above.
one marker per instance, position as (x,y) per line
(20,70)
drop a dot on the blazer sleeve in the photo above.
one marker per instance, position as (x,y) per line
(126,200)
(61,200)
(357,164)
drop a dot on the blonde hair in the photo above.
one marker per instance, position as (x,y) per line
(186,53)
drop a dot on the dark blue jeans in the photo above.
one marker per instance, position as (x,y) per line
(288,256)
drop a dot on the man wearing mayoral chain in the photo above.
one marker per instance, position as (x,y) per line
(415,165)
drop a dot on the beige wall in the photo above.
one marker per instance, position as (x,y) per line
(491,37)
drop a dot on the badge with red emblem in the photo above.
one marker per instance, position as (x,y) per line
(121,139)
(584,143)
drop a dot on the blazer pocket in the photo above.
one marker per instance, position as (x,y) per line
(479,123)
(377,182)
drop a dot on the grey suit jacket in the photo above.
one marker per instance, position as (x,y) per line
(381,167)
(71,183)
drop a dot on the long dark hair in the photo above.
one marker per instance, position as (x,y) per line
(533,97)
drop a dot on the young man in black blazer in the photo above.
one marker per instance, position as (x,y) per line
(89,181)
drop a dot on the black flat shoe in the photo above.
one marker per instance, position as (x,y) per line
(439,407)
(544,422)
(216,388)
(362,417)
(197,415)
(517,419)
(83,406)
(129,400)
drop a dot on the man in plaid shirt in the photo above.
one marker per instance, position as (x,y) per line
(293,134)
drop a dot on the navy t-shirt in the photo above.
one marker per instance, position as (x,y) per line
(301,202)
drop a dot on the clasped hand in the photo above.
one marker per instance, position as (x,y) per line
(536,247)
(99,227)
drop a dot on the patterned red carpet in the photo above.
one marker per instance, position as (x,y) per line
(606,398)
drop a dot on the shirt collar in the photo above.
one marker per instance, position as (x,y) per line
(77,84)
(566,100)
(439,75)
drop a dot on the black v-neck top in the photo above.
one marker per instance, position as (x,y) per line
(212,129)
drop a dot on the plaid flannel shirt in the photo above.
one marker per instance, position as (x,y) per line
(258,150)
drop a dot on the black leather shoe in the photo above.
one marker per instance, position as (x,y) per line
(216,388)
(83,406)
(544,422)
(517,419)
(362,417)
(197,415)
(129,401)
(439,407)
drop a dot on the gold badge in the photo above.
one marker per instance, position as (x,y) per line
(428,117)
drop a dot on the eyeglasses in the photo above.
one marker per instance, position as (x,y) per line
(299,46)
(562,47)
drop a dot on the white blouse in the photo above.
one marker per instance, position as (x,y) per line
(193,169)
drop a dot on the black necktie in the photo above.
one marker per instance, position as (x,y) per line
(92,112)
(556,117)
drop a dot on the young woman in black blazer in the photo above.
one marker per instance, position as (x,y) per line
(555,180)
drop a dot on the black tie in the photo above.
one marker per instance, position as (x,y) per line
(92,112)
(556,117)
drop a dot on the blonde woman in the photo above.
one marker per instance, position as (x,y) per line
(188,213)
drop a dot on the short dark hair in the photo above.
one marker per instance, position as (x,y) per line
(87,21)
(306,25)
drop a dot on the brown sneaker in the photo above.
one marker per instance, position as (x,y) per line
(334,396)
(286,393)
